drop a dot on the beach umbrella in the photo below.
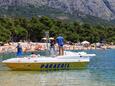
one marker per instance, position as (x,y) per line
(51,38)
(85,42)
(44,38)
(98,44)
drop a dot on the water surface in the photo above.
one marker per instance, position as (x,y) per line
(100,72)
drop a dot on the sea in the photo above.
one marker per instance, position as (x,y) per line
(99,72)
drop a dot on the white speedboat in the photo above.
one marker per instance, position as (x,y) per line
(70,60)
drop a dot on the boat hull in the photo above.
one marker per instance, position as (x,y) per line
(46,66)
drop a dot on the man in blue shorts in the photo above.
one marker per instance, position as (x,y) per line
(60,41)
(19,50)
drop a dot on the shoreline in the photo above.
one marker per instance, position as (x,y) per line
(34,46)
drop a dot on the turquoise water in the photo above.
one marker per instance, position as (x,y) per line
(100,72)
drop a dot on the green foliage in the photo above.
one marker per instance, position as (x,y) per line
(4,34)
(16,29)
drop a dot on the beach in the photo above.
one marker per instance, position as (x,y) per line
(36,46)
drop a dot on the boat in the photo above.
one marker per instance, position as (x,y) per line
(70,60)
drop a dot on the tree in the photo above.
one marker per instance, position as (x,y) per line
(20,33)
(4,34)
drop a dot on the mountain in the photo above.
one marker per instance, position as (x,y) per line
(104,9)
(91,10)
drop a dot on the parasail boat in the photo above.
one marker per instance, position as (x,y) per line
(70,60)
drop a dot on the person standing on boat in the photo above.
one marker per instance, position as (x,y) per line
(60,41)
(19,50)
(52,46)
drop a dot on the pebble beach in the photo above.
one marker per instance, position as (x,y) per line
(35,46)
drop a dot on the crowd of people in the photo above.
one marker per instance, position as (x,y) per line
(60,41)
(56,46)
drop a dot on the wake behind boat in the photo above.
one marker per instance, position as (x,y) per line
(70,60)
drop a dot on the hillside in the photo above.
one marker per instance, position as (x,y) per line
(104,9)
(30,11)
